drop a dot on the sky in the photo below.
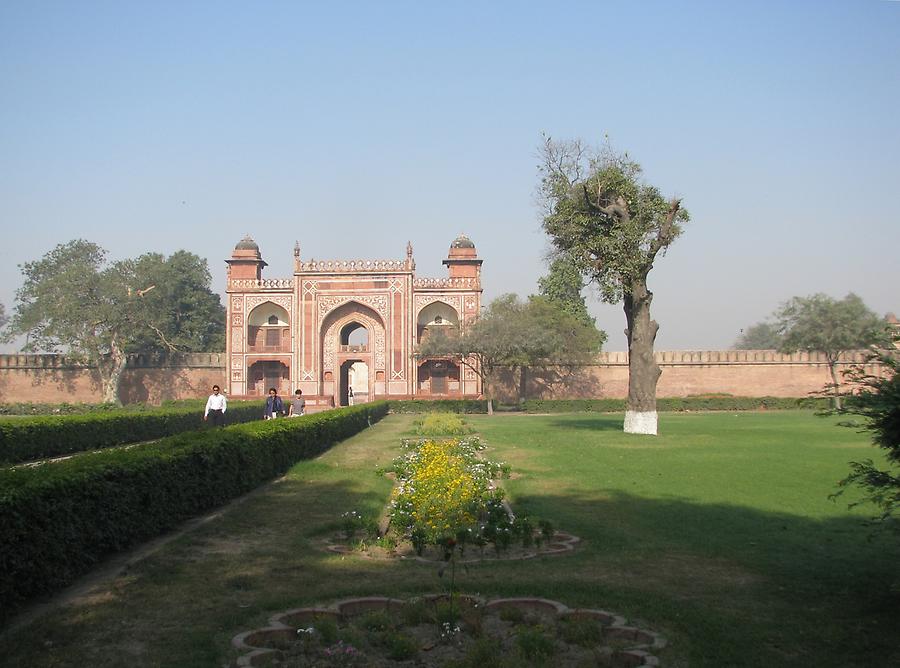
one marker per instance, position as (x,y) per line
(355,127)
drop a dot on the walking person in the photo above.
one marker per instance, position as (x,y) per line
(297,406)
(215,408)
(350,396)
(274,405)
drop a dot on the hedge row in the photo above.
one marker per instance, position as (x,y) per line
(58,520)
(698,403)
(438,406)
(64,408)
(28,438)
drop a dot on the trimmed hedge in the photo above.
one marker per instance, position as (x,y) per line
(64,408)
(674,404)
(59,519)
(28,438)
(438,406)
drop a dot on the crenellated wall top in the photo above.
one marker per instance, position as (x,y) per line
(261,284)
(708,357)
(464,283)
(353,266)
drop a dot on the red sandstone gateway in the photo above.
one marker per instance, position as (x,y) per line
(345,324)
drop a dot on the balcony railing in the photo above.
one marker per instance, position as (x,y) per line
(281,348)
(363,348)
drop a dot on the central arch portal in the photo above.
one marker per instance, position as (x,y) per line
(353,339)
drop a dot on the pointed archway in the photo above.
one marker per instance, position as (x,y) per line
(352,334)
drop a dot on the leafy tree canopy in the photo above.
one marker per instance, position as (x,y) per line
(72,300)
(183,313)
(761,336)
(822,324)
(516,334)
(831,326)
(563,285)
(603,215)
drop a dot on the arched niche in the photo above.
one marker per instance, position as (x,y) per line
(262,315)
(436,316)
(268,329)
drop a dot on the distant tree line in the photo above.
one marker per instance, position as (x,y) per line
(818,323)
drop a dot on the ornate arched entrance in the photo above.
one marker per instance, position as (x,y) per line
(353,334)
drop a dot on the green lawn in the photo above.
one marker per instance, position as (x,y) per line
(718,533)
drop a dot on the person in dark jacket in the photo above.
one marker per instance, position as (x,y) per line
(274,405)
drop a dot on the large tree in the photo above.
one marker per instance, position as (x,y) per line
(512,334)
(819,323)
(183,313)
(601,214)
(73,301)
(761,336)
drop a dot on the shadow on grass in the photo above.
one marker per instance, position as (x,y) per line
(728,585)
(765,588)
(589,421)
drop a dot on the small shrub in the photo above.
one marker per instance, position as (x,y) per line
(417,611)
(534,644)
(327,629)
(484,653)
(376,620)
(581,631)
(446,613)
(442,424)
(400,647)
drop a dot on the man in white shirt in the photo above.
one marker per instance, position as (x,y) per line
(215,408)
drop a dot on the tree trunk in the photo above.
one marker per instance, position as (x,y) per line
(112,375)
(643,371)
(835,384)
(490,406)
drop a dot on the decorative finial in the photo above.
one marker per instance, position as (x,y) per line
(409,251)
(297,250)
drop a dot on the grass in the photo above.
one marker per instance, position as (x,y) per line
(718,534)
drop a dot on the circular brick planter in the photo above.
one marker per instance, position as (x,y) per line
(620,645)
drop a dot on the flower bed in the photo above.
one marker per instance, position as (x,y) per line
(430,631)
(445,497)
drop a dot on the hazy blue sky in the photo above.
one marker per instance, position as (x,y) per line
(356,126)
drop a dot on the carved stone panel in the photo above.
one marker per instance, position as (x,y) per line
(377,302)
(452,300)
(284,301)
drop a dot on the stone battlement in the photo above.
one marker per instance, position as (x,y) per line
(354,266)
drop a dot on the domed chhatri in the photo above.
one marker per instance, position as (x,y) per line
(462,241)
(247,243)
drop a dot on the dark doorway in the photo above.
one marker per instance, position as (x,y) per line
(438,377)
(343,395)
